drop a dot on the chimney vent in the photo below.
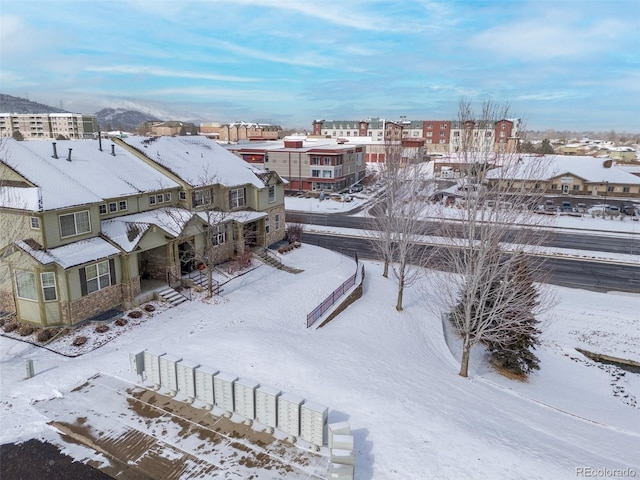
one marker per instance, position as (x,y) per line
(69,157)
(113,149)
(100,140)
(55,152)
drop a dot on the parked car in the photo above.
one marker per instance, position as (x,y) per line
(355,188)
(550,206)
(628,209)
(567,207)
(614,209)
(581,207)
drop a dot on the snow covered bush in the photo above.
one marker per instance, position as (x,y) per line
(79,341)
(135,314)
(102,328)
(10,327)
(121,322)
(25,330)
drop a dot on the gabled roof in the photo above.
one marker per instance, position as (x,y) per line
(71,255)
(591,169)
(197,160)
(91,176)
(127,231)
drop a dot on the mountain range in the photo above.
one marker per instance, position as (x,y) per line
(108,118)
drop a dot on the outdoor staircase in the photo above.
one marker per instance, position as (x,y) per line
(270,259)
(201,279)
(173,297)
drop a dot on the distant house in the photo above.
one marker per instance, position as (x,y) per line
(92,225)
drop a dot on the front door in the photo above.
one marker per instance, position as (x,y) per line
(186,256)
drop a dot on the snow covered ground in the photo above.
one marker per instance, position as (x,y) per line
(392,376)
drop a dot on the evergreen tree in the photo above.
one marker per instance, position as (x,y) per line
(546,148)
(516,353)
(17,135)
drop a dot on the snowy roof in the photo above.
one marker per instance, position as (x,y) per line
(197,160)
(91,175)
(126,231)
(20,198)
(73,254)
(246,216)
(588,168)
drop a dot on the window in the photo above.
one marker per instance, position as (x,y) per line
(429,141)
(277,221)
(272,193)
(122,205)
(201,197)
(610,189)
(218,237)
(26,285)
(48,280)
(103,209)
(315,160)
(625,189)
(97,276)
(429,134)
(326,161)
(74,224)
(503,126)
(442,141)
(443,125)
(266,227)
(326,174)
(160,198)
(152,199)
(576,187)
(183,195)
(35,223)
(315,173)
(113,207)
(236,197)
(554,186)
(167,197)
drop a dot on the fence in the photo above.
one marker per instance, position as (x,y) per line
(333,297)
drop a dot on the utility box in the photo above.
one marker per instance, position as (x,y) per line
(152,367)
(313,423)
(245,398)
(223,391)
(338,471)
(204,385)
(289,414)
(343,442)
(266,406)
(186,371)
(343,457)
(339,428)
(136,361)
(169,373)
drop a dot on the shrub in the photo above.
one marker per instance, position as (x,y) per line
(79,341)
(121,322)
(102,328)
(10,327)
(135,314)
(2,322)
(149,308)
(25,330)
(294,232)
(44,335)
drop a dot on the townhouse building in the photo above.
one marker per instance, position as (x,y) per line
(238,131)
(86,228)
(437,136)
(47,126)
(579,176)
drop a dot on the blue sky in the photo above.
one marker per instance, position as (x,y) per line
(559,64)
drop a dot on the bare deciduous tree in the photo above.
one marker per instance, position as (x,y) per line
(493,226)
(397,225)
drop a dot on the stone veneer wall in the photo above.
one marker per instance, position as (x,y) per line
(95,303)
(7,302)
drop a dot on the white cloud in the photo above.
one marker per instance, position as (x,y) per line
(548,38)
(159,72)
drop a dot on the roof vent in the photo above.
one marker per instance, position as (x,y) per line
(113,149)
(100,140)
(55,151)
(69,156)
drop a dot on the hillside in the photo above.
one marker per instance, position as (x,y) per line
(108,118)
(11,104)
